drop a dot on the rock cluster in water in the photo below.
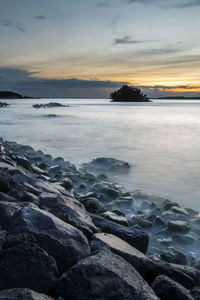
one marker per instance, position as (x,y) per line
(3,104)
(49,105)
(67,234)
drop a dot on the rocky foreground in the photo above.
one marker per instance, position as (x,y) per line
(67,234)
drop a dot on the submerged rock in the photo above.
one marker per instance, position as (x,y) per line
(179,226)
(104,275)
(107,164)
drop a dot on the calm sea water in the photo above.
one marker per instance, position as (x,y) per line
(161,140)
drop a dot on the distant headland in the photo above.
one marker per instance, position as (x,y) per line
(12,95)
(177,98)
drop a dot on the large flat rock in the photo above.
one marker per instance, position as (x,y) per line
(104,275)
(136,258)
(135,238)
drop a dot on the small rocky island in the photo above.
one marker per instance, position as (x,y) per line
(128,94)
(67,234)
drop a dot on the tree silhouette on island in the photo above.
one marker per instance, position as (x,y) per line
(128,94)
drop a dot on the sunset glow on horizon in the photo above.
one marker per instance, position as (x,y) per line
(100,45)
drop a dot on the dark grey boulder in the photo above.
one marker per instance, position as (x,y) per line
(179,226)
(115,218)
(137,259)
(135,238)
(22,294)
(69,210)
(103,275)
(64,242)
(7,198)
(167,289)
(12,240)
(8,209)
(4,184)
(27,266)
(176,272)
(173,255)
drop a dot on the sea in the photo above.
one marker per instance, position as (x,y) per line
(160,139)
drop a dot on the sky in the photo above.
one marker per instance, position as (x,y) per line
(62,48)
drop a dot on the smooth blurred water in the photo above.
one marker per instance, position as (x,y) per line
(161,140)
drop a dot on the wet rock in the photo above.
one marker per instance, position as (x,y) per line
(62,241)
(12,240)
(167,289)
(184,239)
(29,197)
(115,218)
(69,210)
(103,241)
(179,226)
(103,275)
(173,255)
(159,222)
(38,270)
(67,183)
(179,210)
(107,164)
(167,204)
(173,272)
(140,221)
(8,209)
(92,205)
(135,238)
(4,184)
(7,198)
(195,292)
(22,294)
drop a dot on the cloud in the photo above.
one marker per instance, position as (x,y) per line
(187,4)
(169,4)
(22,81)
(41,17)
(102,4)
(9,23)
(127,40)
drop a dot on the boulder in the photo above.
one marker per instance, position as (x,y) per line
(173,255)
(137,259)
(27,266)
(8,209)
(179,226)
(135,238)
(103,275)
(7,198)
(69,210)
(61,240)
(22,294)
(167,289)
(115,218)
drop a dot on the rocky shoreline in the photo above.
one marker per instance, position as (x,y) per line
(68,234)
